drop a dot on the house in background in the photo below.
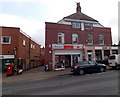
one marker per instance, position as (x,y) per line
(18,48)
(76,37)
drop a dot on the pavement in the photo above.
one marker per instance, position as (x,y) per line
(33,74)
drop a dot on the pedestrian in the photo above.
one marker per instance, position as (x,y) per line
(46,67)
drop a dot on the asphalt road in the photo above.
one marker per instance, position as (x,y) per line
(105,83)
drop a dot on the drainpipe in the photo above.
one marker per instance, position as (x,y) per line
(29,50)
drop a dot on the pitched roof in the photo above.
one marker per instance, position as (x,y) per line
(80,16)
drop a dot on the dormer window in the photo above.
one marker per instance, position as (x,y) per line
(88,25)
(75,24)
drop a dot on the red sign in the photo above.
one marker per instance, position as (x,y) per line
(68,47)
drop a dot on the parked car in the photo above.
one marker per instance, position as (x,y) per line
(83,67)
(114,61)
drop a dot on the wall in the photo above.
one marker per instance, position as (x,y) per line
(8,49)
(24,52)
(51,36)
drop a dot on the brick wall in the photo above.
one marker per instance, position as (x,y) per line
(24,52)
(52,30)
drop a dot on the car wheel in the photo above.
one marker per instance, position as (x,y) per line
(102,69)
(81,72)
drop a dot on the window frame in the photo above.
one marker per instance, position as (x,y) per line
(88,25)
(7,42)
(61,34)
(75,25)
(74,36)
(24,42)
(102,40)
(90,39)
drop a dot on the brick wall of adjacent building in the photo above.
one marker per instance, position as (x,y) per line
(30,56)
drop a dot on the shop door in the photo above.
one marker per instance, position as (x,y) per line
(76,59)
(67,60)
(89,57)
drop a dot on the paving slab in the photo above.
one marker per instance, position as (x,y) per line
(33,74)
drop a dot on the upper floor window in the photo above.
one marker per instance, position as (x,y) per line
(75,24)
(101,38)
(88,25)
(31,45)
(61,38)
(89,39)
(24,42)
(74,38)
(5,39)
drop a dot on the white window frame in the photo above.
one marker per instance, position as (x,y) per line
(75,24)
(24,42)
(4,42)
(82,26)
(61,34)
(89,24)
(90,37)
(31,46)
(74,36)
(102,40)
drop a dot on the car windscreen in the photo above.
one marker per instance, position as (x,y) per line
(112,57)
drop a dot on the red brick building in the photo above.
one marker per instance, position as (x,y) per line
(18,48)
(66,40)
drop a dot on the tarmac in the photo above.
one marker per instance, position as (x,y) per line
(37,73)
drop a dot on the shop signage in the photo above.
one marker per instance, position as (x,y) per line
(7,56)
(56,46)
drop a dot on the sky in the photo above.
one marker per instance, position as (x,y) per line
(31,15)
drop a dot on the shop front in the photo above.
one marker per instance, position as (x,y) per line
(4,60)
(64,56)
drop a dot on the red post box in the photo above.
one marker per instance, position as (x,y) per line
(9,69)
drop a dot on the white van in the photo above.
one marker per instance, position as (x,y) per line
(114,60)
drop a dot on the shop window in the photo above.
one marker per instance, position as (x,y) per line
(5,39)
(88,25)
(98,54)
(101,38)
(114,51)
(89,39)
(74,38)
(61,38)
(75,24)
(106,54)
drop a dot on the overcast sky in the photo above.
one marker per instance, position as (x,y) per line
(31,15)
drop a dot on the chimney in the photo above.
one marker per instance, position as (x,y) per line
(78,9)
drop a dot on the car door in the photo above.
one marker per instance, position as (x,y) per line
(86,66)
(93,66)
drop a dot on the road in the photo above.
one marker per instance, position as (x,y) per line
(105,83)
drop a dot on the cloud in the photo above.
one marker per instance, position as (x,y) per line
(31,27)
(55,10)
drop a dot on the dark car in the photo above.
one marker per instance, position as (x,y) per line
(83,67)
